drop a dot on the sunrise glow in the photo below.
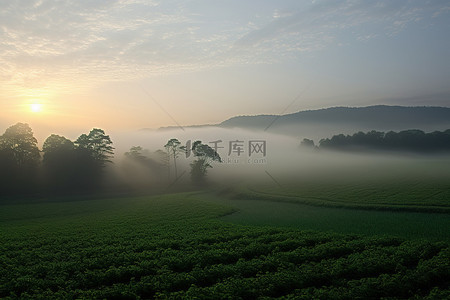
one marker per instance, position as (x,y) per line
(36,107)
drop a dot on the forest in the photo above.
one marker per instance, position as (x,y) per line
(407,141)
(84,165)
(62,165)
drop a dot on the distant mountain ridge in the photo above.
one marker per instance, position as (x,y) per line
(369,116)
(346,119)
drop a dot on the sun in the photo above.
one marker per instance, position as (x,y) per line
(36,107)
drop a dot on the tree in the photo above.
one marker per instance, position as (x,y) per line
(92,152)
(19,141)
(307,143)
(412,140)
(56,144)
(145,158)
(60,163)
(163,158)
(174,149)
(8,172)
(19,160)
(143,168)
(135,154)
(97,144)
(205,155)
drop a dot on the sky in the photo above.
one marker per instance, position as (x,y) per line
(69,66)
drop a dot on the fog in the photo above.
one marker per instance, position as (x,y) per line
(284,160)
(142,164)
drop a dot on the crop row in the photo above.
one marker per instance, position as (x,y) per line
(188,254)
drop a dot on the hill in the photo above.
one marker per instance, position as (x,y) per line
(321,123)
(379,117)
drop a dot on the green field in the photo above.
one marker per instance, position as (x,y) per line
(409,225)
(179,246)
(398,195)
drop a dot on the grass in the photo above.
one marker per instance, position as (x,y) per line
(403,195)
(409,225)
(175,246)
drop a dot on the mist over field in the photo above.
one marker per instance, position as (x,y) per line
(284,156)
(152,212)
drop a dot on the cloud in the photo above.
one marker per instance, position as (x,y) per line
(323,22)
(76,43)
(44,42)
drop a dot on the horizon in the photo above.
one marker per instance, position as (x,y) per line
(181,128)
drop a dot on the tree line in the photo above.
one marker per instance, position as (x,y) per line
(65,166)
(159,160)
(62,165)
(406,141)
